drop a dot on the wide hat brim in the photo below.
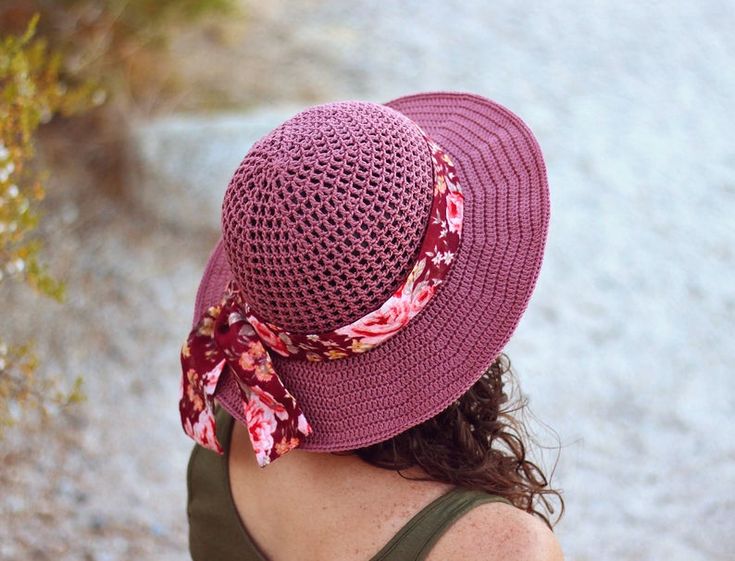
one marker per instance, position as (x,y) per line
(443,351)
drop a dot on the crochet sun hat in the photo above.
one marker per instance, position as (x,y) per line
(374,260)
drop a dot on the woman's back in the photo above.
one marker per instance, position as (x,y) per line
(321,507)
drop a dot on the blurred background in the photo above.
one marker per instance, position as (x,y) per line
(121,123)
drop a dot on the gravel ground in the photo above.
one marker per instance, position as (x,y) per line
(625,348)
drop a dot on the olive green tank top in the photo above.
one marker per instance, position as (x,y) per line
(216,532)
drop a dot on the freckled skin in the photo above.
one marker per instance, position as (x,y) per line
(338,506)
(315,506)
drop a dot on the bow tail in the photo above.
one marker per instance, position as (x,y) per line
(196,405)
(276,424)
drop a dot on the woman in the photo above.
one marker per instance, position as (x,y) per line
(344,376)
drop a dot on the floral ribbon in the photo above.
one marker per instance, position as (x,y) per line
(223,338)
(232,335)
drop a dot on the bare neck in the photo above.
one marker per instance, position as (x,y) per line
(318,468)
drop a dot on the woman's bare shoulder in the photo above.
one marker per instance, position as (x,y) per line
(495,531)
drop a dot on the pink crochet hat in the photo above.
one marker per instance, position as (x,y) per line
(323,220)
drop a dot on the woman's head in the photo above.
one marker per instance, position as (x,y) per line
(420,222)
(477,442)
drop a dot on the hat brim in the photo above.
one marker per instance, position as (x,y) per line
(443,351)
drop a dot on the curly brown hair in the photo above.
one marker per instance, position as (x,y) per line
(477,442)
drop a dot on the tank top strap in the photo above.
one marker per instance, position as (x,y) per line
(416,538)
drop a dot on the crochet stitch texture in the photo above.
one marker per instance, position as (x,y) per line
(325,215)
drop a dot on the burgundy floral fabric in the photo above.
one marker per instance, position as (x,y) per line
(224,339)
(232,335)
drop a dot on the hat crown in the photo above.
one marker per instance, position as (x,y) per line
(324,216)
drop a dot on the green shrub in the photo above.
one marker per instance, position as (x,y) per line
(32,93)
(116,43)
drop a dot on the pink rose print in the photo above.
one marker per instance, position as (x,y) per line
(261,425)
(270,402)
(421,295)
(271,339)
(379,325)
(303,426)
(203,432)
(210,379)
(455,211)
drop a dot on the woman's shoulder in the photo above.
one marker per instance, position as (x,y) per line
(497,530)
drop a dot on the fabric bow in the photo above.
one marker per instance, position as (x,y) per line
(223,338)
